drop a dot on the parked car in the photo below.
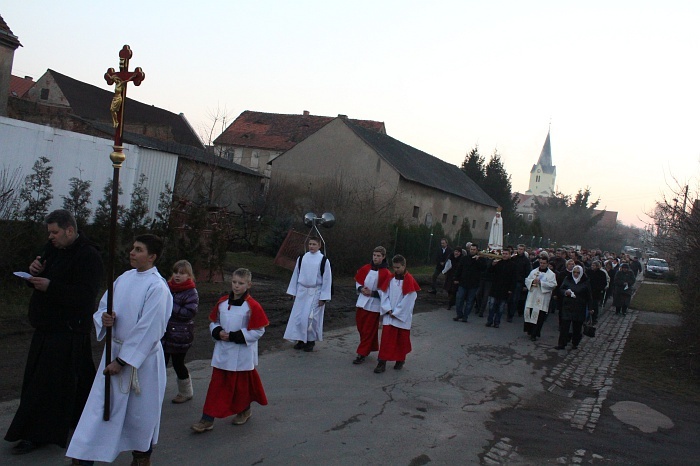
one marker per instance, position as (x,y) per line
(656,268)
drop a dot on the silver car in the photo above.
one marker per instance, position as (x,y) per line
(656,268)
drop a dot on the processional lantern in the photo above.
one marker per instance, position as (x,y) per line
(326,220)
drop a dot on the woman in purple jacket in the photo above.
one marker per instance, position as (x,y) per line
(180,332)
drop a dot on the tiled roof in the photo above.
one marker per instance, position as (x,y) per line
(7,38)
(188,152)
(274,131)
(92,103)
(19,86)
(419,167)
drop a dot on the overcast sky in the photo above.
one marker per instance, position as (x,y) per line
(619,81)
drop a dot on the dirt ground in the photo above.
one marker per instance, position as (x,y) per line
(16,333)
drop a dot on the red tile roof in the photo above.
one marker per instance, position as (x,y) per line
(274,131)
(20,86)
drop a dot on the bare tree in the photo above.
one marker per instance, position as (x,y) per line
(10,186)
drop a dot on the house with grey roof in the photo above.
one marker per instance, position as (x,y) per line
(255,138)
(427,189)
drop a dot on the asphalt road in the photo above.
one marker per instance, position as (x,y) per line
(468,394)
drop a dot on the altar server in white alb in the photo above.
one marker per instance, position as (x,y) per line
(142,307)
(540,284)
(311,287)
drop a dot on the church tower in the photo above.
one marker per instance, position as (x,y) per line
(543,174)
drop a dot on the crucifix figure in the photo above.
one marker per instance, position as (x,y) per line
(120,78)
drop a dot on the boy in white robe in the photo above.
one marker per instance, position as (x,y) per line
(311,287)
(142,307)
(540,284)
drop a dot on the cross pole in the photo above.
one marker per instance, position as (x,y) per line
(119,79)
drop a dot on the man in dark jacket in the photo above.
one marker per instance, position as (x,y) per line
(599,282)
(522,270)
(441,257)
(502,287)
(59,371)
(468,277)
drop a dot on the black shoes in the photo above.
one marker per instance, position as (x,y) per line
(399,365)
(24,447)
(559,347)
(309,346)
(432,291)
(489,324)
(300,345)
(495,325)
(359,359)
(381,367)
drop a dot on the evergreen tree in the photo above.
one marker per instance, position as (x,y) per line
(104,207)
(161,222)
(135,216)
(37,191)
(497,184)
(473,166)
(78,200)
(567,220)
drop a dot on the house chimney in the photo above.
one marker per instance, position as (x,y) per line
(29,78)
(306,113)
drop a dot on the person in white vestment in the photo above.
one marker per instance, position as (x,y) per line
(311,287)
(540,284)
(142,307)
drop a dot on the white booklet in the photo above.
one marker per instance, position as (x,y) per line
(24,275)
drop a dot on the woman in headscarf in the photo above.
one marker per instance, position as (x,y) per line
(575,293)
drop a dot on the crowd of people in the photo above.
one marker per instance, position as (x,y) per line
(534,283)
(150,321)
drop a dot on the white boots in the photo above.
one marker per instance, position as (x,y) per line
(184,388)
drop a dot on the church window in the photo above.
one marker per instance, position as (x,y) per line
(379,164)
(486,227)
(444,218)
(454,220)
(473,224)
(416,211)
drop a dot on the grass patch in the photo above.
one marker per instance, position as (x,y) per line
(658,298)
(655,358)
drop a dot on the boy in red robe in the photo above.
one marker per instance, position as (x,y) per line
(398,296)
(368,303)
(237,323)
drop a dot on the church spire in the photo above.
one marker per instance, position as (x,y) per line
(545,160)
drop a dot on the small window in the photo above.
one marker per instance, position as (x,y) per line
(44,94)
(416,211)
(444,218)
(454,220)
(529,216)
(255,160)
(473,224)
(379,164)
(486,227)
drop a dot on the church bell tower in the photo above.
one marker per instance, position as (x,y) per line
(543,174)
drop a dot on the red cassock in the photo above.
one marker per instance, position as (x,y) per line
(396,342)
(231,392)
(368,321)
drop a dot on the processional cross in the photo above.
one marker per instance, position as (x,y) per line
(119,79)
